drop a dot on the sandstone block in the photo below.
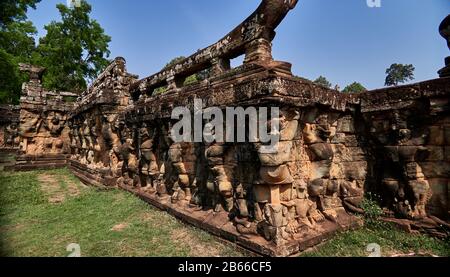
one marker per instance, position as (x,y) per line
(436,136)
(282,156)
(346,125)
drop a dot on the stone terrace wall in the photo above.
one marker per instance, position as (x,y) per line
(9,124)
(293,198)
(96,126)
(408,130)
(333,147)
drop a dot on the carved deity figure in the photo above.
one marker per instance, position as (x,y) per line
(148,162)
(324,189)
(130,167)
(111,133)
(181,189)
(282,213)
(305,210)
(221,173)
(11,135)
(54,123)
(28,130)
(408,179)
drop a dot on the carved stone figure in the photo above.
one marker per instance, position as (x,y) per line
(11,135)
(331,148)
(149,166)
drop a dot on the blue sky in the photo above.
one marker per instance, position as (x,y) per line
(343,40)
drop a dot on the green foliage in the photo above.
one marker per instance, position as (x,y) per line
(399,73)
(391,240)
(17,39)
(160,90)
(9,79)
(14,189)
(16,46)
(73,50)
(204,74)
(191,80)
(371,208)
(322,81)
(14,10)
(354,88)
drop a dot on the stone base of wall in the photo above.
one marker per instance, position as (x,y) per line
(38,162)
(432,226)
(9,149)
(7,157)
(92,177)
(219,224)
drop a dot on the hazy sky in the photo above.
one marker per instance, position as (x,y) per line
(343,40)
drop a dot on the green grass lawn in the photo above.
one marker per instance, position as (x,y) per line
(42,212)
(392,242)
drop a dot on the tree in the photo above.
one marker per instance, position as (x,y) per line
(174,61)
(73,50)
(16,46)
(10,80)
(15,10)
(354,88)
(17,39)
(399,73)
(322,81)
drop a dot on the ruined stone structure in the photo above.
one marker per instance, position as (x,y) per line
(407,132)
(333,147)
(98,138)
(43,130)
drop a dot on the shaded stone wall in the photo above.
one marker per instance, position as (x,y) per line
(408,129)
(97,128)
(9,124)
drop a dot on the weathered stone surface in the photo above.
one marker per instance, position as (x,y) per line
(333,147)
(9,127)
(43,129)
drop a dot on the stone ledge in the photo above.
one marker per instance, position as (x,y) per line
(219,225)
(38,162)
(90,176)
(404,96)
